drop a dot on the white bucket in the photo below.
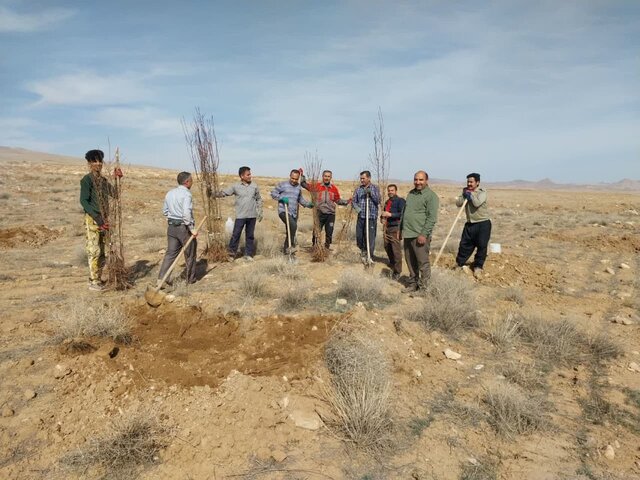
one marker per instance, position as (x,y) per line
(228,226)
(495,248)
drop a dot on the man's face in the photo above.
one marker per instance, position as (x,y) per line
(96,166)
(364,180)
(294,178)
(391,192)
(419,181)
(471,183)
(326,177)
(246,176)
(188,183)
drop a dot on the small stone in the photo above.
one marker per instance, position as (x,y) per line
(170,298)
(622,320)
(7,411)
(108,350)
(279,455)
(478,367)
(306,420)
(29,394)
(284,403)
(263,454)
(450,354)
(609,453)
(314,328)
(335,282)
(610,271)
(61,371)
(624,266)
(473,461)
(417,373)
(634,367)
(341,301)
(44,277)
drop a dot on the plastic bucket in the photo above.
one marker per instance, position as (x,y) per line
(495,248)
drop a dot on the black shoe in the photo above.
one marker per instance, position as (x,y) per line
(411,288)
(395,276)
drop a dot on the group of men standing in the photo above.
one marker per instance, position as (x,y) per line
(407,223)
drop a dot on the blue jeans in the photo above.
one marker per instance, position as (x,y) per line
(249,224)
(361,237)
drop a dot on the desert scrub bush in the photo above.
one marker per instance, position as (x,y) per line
(515,295)
(280,267)
(254,285)
(602,348)
(359,391)
(557,341)
(483,469)
(130,444)
(462,413)
(513,411)
(84,319)
(293,299)
(525,375)
(357,286)
(448,306)
(502,332)
(268,243)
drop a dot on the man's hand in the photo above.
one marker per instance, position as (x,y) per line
(104,227)
(399,235)
(367,191)
(385,214)
(194,233)
(118,172)
(301,171)
(284,200)
(260,218)
(467,194)
(311,204)
(421,240)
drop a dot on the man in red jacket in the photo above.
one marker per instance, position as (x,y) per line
(326,196)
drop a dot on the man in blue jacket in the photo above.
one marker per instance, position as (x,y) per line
(289,193)
(390,218)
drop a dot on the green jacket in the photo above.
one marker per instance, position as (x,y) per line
(420,213)
(94,196)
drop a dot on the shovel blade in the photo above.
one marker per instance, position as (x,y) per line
(153,297)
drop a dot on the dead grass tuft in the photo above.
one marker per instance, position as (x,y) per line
(359,395)
(293,299)
(514,412)
(483,469)
(602,347)
(503,332)
(279,266)
(132,442)
(357,286)
(526,376)
(515,295)
(254,285)
(558,342)
(449,304)
(460,412)
(84,319)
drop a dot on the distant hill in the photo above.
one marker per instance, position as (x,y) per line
(624,185)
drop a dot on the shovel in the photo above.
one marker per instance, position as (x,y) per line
(153,295)
(464,204)
(286,219)
(366,221)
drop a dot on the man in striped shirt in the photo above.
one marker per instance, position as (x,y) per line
(290,193)
(366,191)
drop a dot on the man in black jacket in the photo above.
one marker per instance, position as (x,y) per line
(391,216)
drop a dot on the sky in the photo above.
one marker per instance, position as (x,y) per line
(510,89)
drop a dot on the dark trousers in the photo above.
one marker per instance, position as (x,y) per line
(361,237)
(293,226)
(326,221)
(177,237)
(474,235)
(393,247)
(417,257)
(249,225)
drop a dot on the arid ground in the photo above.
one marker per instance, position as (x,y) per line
(272,370)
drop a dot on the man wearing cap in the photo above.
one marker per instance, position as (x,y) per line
(477,229)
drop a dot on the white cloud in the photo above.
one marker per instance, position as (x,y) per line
(32,22)
(90,89)
(147,120)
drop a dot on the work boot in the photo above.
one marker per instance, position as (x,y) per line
(467,270)
(478,273)
(411,288)
(96,286)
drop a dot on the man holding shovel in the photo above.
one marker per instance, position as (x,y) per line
(477,229)
(419,217)
(94,192)
(365,202)
(178,208)
(289,196)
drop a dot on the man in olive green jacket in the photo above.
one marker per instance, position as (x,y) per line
(418,219)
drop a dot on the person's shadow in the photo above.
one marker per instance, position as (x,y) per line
(141,269)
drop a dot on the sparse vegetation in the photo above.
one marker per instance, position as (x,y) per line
(558,342)
(462,413)
(515,295)
(132,442)
(254,285)
(503,332)
(279,266)
(84,319)
(359,395)
(449,305)
(512,411)
(357,286)
(525,375)
(293,299)
(482,469)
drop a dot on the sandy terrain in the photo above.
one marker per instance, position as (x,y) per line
(237,384)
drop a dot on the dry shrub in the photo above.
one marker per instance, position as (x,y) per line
(558,342)
(268,244)
(152,231)
(503,332)
(254,285)
(84,319)
(515,295)
(293,299)
(483,469)
(280,267)
(358,286)
(132,442)
(359,395)
(525,375)
(459,412)
(449,304)
(513,411)
(602,347)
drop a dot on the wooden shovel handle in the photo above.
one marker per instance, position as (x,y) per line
(175,262)
(464,204)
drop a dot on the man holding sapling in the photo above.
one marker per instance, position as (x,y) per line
(418,220)
(178,208)
(366,193)
(248,206)
(95,191)
(477,229)
(289,196)
(390,218)
(326,198)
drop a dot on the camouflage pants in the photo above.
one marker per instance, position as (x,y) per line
(94,249)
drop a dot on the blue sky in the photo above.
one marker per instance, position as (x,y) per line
(511,89)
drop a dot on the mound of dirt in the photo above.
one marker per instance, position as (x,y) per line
(35,236)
